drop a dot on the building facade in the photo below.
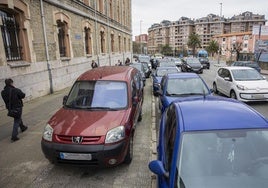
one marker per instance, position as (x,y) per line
(47,44)
(206,27)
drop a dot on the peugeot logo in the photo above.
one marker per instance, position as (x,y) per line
(77,139)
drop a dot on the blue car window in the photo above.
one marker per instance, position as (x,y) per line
(213,157)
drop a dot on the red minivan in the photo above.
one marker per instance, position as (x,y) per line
(96,124)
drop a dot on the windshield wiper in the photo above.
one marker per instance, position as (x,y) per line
(184,94)
(100,108)
(195,93)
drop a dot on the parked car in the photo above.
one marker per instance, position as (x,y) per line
(166,63)
(192,64)
(204,62)
(177,61)
(158,74)
(211,142)
(251,64)
(180,85)
(97,122)
(242,83)
(142,70)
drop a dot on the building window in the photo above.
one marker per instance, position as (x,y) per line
(111,9)
(118,13)
(112,42)
(63,38)
(101,6)
(10,33)
(125,44)
(119,44)
(88,41)
(102,37)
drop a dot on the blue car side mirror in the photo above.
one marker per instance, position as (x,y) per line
(157,167)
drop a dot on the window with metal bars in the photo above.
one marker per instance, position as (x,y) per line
(10,33)
(61,38)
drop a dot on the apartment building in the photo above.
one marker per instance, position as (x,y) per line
(179,33)
(205,27)
(158,35)
(46,44)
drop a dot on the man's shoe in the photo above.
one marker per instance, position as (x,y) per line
(24,129)
(14,139)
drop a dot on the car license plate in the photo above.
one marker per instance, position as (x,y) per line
(75,156)
(258,96)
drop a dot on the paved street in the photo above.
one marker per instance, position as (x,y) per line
(22,163)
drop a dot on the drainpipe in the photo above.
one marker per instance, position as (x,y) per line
(96,40)
(108,33)
(46,47)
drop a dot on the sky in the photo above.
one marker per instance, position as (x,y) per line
(147,12)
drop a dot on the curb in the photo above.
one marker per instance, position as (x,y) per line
(153,141)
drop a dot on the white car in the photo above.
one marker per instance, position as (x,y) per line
(241,83)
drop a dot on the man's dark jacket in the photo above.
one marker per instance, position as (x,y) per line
(15,100)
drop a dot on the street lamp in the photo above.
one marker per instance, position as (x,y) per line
(220,33)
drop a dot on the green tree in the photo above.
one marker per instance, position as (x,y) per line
(237,48)
(213,47)
(166,50)
(136,47)
(194,42)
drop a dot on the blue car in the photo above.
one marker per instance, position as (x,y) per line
(158,74)
(179,85)
(211,142)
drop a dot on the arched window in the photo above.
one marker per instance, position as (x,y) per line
(88,41)
(112,42)
(102,38)
(63,24)
(62,38)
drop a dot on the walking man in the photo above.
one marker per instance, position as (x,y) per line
(12,97)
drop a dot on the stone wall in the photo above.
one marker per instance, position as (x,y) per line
(45,71)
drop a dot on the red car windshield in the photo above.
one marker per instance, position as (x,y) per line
(98,94)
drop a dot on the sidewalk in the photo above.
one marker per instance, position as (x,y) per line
(265,72)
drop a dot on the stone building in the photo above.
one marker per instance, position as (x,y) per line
(46,44)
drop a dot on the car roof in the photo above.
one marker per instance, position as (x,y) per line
(116,73)
(245,61)
(217,113)
(167,67)
(182,75)
(236,67)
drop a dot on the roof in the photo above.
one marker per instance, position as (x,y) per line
(166,67)
(116,73)
(217,113)
(236,67)
(183,75)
